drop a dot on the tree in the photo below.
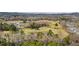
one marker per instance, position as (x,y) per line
(13,28)
(50,33)
(56,24)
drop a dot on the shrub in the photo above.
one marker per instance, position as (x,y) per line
(40,35)
(13,28)
(7,27)
(67,40)
(50,33)
(56,24)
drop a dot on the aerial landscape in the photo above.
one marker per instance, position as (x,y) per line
(39,29)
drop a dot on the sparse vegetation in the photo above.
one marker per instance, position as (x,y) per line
(39,31)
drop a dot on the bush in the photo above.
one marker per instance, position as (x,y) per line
(40,35)
(35,25)
(50,33)
(56,24)
(13,28)
(7,27)
(67,40)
